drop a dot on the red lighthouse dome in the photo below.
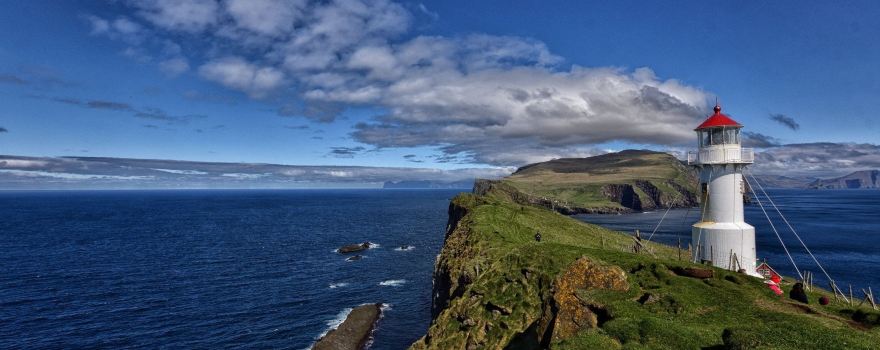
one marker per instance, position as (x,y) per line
(718,120)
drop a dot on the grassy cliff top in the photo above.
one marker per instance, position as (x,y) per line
(583,182)
(501,289)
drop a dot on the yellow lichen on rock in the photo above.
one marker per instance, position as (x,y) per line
(573,313)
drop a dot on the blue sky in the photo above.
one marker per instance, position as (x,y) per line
(439,84)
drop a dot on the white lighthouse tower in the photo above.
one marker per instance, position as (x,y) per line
(722,237)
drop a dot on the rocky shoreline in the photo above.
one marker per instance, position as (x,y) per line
(355,332)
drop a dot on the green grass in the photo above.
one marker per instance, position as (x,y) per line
(579,182)
(509,276)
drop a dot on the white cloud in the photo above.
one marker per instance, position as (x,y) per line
(185,172)
(244,176)
(267,17)
(183,15)
(500,100)
(126,26)
(820,159)
(99,25)
(71,176)
(236,73)
(35,172)
(378,61)
(21,163)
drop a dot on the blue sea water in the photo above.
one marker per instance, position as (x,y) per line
(257,269)
(840,227)
(212,269)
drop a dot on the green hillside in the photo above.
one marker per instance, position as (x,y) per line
(582,287)
(624,181)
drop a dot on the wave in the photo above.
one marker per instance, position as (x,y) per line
(335,322)
(373,245)
(392,283)
(349,259)
(338,285)
(382,308)
(402,249)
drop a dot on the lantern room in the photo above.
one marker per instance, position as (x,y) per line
(719,130)
(720,142)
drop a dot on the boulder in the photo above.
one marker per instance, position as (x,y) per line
(352,248)
(354,332)
(574,313)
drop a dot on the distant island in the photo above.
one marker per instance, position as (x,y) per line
(496,285)
(865,179)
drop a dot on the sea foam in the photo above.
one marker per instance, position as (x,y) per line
(392,283)
(338,285)
(335,322)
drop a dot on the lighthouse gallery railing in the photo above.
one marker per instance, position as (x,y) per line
(720,156)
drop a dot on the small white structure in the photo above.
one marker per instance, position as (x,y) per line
(722,237)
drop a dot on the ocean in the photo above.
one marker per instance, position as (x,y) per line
(840,227)
(257,269)
(212,269)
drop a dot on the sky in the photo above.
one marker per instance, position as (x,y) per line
(444,85)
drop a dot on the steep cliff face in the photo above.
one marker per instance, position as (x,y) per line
(451,277)
(867,179)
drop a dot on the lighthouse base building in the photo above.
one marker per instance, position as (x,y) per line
(722,237)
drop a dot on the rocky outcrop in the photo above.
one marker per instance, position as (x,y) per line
(624,194)
(688,198)
(354,332)
(652,193)
(353,248)
(574,312)
(866,179)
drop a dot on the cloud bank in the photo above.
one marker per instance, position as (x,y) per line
(18,172)
(820,159)
(477,98)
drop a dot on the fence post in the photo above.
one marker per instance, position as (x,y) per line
(679,248)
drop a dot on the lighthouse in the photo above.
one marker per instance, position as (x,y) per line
(722,237)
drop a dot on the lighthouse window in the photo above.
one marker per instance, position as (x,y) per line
(717,136)
(704,139)
(731,136)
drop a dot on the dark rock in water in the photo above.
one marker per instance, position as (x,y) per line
(351,248)
(356,257)
(354,332)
